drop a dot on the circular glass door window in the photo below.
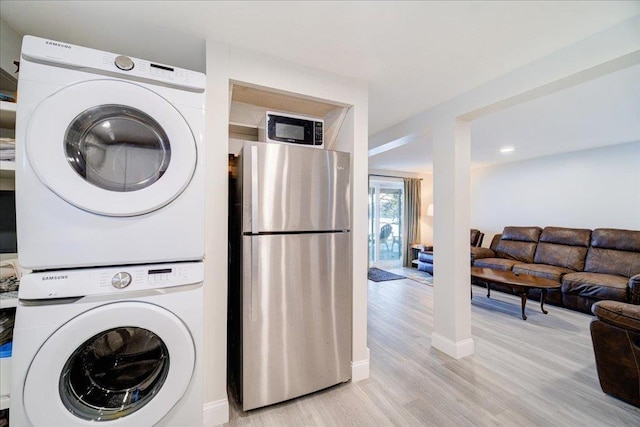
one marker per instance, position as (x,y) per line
(113,148)
(114,373)
(117,148)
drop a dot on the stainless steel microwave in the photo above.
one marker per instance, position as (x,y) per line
(290,129)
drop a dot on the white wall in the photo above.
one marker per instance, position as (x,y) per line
(584,189)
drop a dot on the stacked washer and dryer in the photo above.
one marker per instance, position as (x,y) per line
(110,216)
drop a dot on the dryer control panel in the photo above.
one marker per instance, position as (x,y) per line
(77,57)
(109,280)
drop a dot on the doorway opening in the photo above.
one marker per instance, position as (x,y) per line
(386,223)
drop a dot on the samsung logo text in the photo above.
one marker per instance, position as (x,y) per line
(66,46)
(55,277)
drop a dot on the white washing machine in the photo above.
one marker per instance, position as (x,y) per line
(109,159)
(118,346)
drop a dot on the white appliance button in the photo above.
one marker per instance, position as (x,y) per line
(124,63)
(121,280)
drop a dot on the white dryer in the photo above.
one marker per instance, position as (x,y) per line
(117,346)
(109,159)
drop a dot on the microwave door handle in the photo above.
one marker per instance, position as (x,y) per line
(254,189)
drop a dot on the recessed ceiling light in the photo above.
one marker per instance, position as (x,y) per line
(505,150)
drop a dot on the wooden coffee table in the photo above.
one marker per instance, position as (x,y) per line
(519,283)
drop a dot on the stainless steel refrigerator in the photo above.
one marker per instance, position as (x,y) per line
(290,302)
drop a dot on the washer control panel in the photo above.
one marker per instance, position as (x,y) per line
(146,277)
(109,280)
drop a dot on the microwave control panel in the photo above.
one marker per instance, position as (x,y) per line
(318,133)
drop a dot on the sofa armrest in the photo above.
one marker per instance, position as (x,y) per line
(634,289)
(620,314)
(479,253)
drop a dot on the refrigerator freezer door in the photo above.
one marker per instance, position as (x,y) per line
(287,188)
(297,315)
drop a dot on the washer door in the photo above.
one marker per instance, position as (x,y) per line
(111,147)
(127,362)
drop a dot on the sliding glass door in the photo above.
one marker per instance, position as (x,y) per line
(386,223)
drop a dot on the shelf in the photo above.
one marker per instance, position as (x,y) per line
(245,133)
(7,114)
(8,302)
(280,101)
(7,165)
(7,169)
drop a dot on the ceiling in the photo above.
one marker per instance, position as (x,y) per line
(598,113)
(414,55)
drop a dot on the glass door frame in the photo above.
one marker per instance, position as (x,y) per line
(373,248)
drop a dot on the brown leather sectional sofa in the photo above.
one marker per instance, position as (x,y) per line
(603,264)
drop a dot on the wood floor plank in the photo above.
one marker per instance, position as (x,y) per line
(539,372)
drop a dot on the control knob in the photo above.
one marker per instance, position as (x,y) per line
(124,63)
(121,280)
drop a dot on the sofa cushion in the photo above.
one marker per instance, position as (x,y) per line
(495,263)
(596,285)
(515,250)
(542,270)
(478,253)
(614,252)
(563,247)
(571,257)
(620,314)
(609,261)
(621,240)
(522,234)
(566,236)
(425,257)
(425,266)
(518,243)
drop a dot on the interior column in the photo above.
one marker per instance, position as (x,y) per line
(451,220)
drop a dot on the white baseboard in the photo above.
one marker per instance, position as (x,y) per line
(455,349)
(360,369)
(215,413)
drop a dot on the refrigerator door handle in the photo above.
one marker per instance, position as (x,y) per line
(254,189)
(255,276)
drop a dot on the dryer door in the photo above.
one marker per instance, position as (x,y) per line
(127,362)
(111,147)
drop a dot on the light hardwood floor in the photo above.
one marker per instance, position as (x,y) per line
(539,372)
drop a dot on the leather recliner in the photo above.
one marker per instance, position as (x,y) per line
(615,333)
